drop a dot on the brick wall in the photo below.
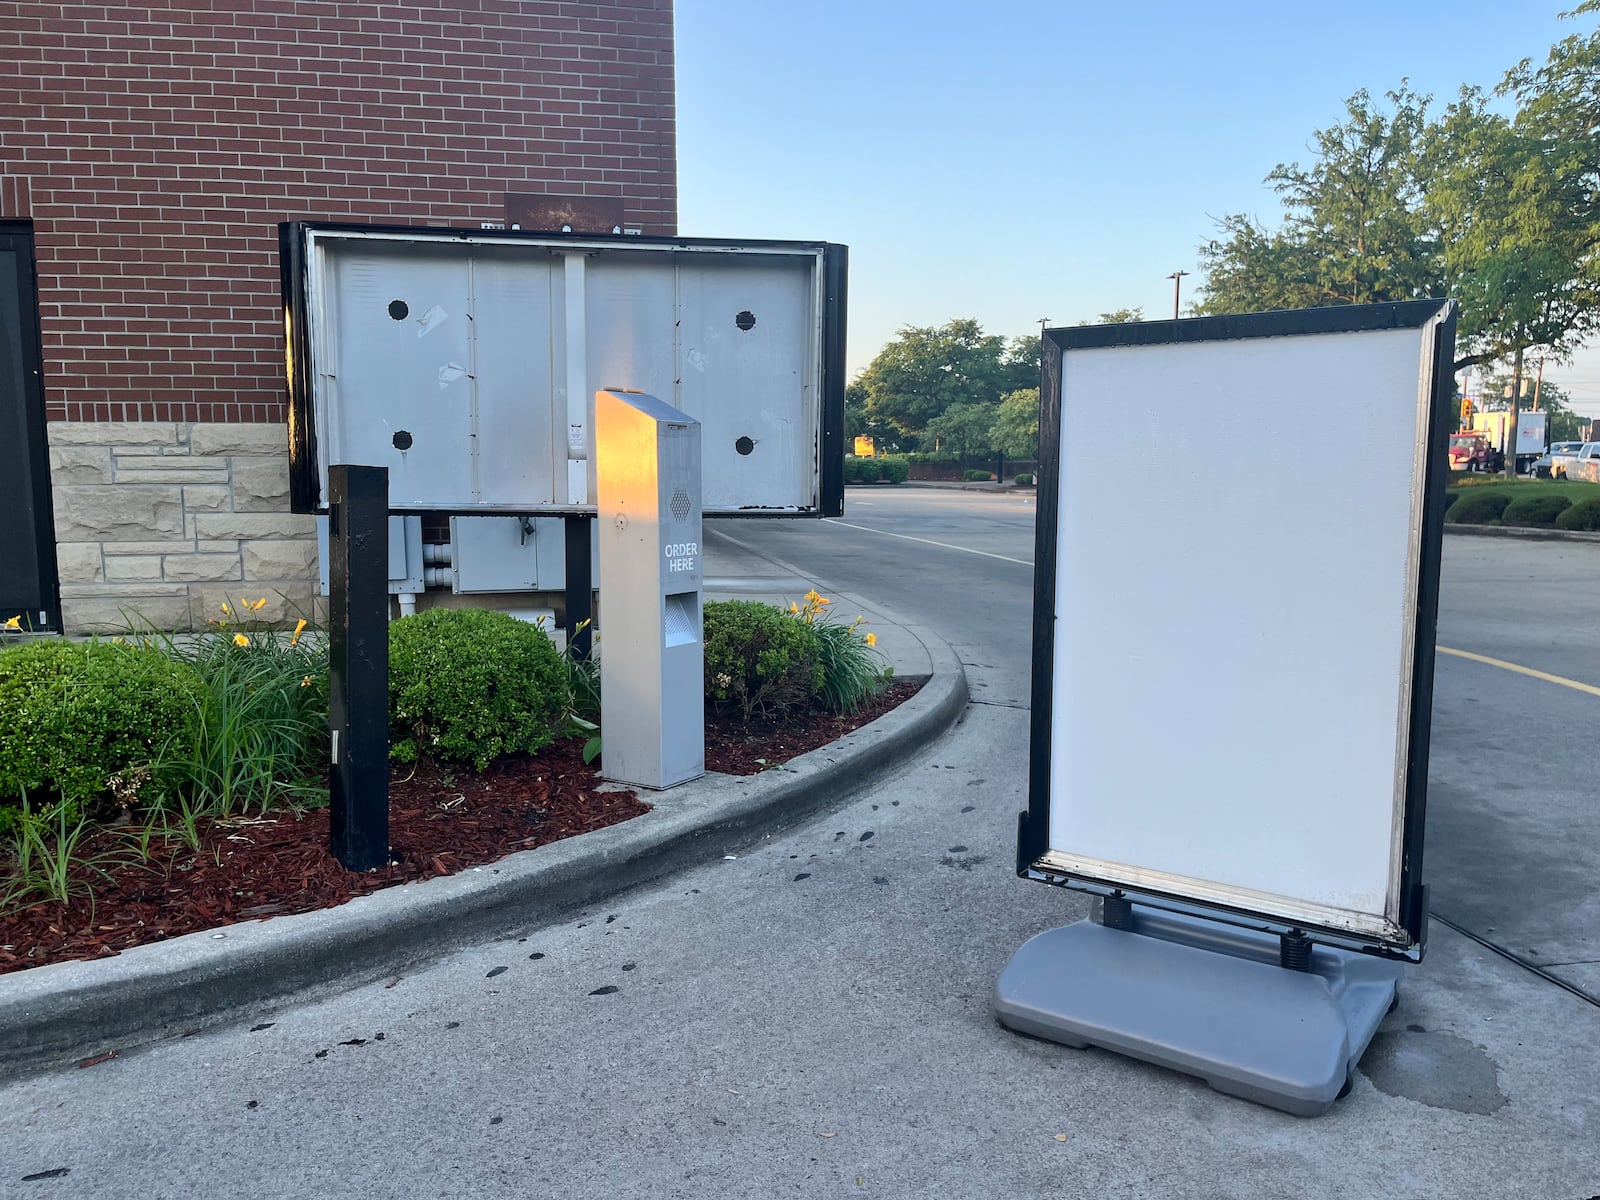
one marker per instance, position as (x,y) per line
(155,147)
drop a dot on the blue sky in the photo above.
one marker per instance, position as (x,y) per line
(1019,159)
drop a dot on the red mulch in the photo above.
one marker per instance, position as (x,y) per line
(442,819)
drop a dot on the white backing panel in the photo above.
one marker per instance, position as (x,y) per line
(399,362)
(750,388)
(518,436)
(462,347)
(1232,637)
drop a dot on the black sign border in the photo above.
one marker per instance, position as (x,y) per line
(1033,824)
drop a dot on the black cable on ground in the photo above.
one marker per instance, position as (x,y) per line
(1511,956)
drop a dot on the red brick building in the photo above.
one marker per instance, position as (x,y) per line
(147,154)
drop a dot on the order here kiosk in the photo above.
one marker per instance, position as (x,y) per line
(652,655)
(1232,698)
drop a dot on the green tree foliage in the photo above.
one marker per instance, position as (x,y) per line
(926,371)
(964,430)
(1117,316)
(1500,212)
(1352,231)
(1016,427)
(1517,236)
(1022,362)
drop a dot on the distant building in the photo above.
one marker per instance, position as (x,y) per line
(146,157)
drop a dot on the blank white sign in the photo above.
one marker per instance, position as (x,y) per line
(1235,590)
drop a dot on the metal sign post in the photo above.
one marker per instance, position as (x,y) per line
(652,656)
(358,665)
(1230,712)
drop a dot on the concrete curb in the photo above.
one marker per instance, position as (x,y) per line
(55,1014)
(1518,531)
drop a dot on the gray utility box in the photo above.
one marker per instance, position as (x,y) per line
(507,554)
(405,554)
(652,657)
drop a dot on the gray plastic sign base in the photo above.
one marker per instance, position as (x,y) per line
(1206,999)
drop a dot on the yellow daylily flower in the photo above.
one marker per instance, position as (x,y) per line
(226,611)
(306,682)
(793,607)
(259,605)
(13,622)
(872,639)
(239,639)
(298,630)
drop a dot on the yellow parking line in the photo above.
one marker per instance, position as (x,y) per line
(1520,670)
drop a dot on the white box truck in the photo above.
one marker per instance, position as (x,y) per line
(1532,434)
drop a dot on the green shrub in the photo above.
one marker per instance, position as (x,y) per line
(472,685)
(1024,480)
(92,721)
(760,661)
(976,476)
(861,470)
(894,469)
(1477,508)
(1583,515)
(1535,510)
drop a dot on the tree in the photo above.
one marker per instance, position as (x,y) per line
(1016,426)
(1117,316)
(1352,231)
(965,430)
(1022,363)
(857,422)
(1513,207)
(926,371)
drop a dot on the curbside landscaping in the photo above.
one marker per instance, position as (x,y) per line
(1535,533)
(54,1015)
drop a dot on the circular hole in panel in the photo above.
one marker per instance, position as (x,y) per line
(746,321)
(399,310)
(744,445)
(402,440)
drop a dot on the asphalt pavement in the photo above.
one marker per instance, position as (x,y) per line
(811,1017)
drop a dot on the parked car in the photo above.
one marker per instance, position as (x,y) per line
(1587,465)
(1553,463)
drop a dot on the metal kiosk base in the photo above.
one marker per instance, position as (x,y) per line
(1203,998)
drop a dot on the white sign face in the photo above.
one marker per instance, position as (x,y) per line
(1236,618)
(467,363)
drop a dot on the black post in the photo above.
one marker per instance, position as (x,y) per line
(580,587)
(358,664)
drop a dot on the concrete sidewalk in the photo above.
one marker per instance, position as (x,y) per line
(58,1014)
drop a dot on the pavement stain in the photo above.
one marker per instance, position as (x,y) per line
(962,862)
(1438,1069)
(610,989)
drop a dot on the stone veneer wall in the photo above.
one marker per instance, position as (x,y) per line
(168,520)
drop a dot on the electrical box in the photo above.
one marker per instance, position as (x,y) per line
(507,554)
(652,656)
(405,554)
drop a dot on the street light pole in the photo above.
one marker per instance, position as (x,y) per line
(1177,282)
